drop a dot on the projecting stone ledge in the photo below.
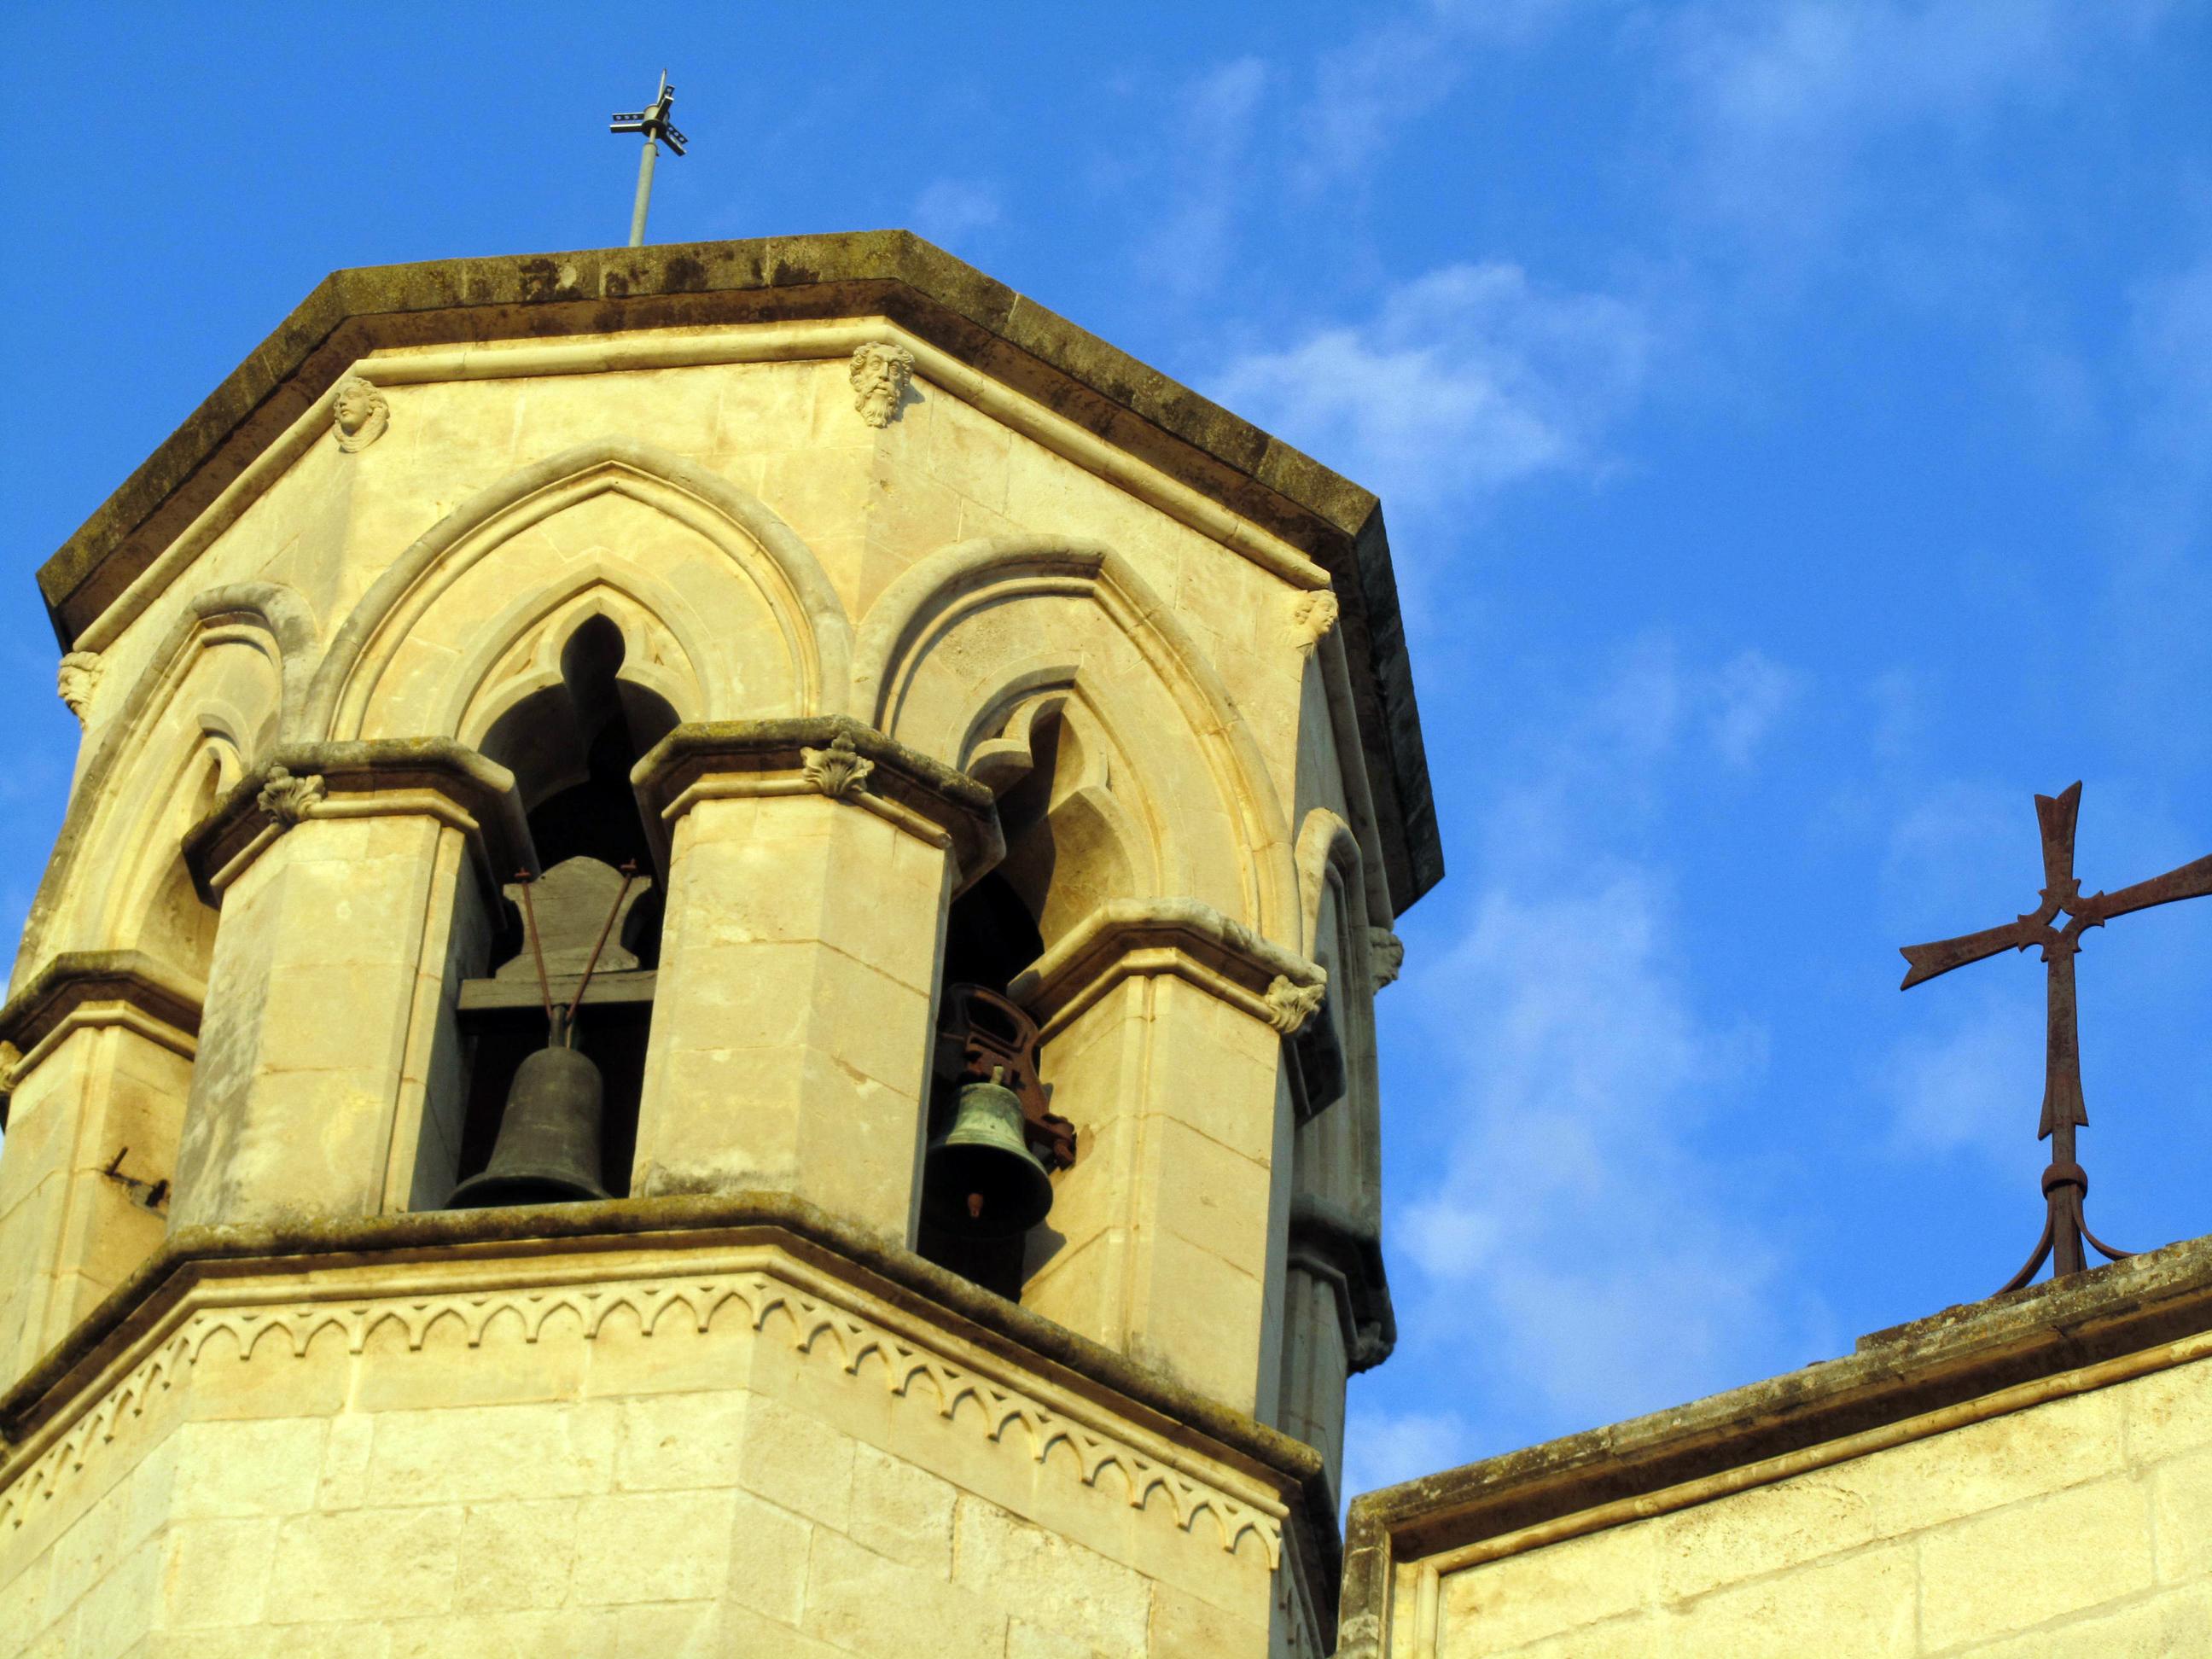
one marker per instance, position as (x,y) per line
(1806,1512)
(705,1379)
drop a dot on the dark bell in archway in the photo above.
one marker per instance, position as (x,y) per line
(548,1150)
(979,1180)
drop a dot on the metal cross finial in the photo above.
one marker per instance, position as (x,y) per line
(2064,1185)
(657,128)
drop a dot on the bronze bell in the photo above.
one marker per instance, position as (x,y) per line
(548,1150)
(979,1180)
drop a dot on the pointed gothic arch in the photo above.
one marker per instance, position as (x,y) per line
(128,783)
(1132,664)
(403,655)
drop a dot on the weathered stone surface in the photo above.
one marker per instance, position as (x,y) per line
(2028,1476)
(265,1497)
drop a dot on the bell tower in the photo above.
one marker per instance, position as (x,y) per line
(707,989)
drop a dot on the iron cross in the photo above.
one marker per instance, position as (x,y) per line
(2064,1185)
(657,128)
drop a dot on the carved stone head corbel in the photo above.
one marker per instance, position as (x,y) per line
(359,414)
(880,374)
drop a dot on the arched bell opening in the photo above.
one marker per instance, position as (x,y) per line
(573,954)
(1065,854)
(990,936)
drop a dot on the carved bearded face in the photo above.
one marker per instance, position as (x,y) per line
(880,376)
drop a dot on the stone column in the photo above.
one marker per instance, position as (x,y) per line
(1163,1023)
(342,870)
(97,1052)
(809,865)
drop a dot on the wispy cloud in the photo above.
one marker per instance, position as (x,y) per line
(952,210)
(1370,89)
(1576,1239)
(1208,133)
(1388,1447)
(1464,381)
(1971,1085)
(1791,99)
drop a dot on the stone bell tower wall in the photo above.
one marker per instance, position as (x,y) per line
(741,1430)
(891,607)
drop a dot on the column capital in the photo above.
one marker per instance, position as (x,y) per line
(382,777)
(832,756)
(1183,937)
(79,988)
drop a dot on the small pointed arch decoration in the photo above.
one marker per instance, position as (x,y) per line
(421,619)
(1081,827)
(1134,666)
(261,638)
(666,646)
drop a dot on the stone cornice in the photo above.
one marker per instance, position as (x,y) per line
(894,275)
(193,1265)
(1967,1364)
(1192,940)
(81,986)
(826,755)
(385,777)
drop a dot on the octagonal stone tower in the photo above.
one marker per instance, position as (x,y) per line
(897,636)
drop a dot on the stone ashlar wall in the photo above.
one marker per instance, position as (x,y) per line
(2082,1526)
(453,1464)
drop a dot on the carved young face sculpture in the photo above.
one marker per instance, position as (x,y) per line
(360,413)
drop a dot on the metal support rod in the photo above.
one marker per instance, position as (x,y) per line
(644,194)
(657,129)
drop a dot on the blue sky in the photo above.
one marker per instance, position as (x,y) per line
(1795,423)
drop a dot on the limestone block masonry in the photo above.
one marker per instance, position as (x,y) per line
(726,1430)
(897,635)
(2031,1476)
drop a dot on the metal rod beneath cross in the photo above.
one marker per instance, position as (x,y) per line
(654,124)
(2064,1184)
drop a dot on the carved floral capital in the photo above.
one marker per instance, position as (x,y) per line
(287,799)
(837,771)
(1290,1004)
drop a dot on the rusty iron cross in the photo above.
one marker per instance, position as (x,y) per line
(2064,1185)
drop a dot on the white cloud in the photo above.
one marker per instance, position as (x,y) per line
(950,211)
(1750,694)
(1208,133)
(1790,98)
(1973,1084)
(1576,1239)
(1574,1227)
(1466,379)
(1369,90)
(1381,1448)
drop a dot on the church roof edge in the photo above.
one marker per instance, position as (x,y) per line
(892,273)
